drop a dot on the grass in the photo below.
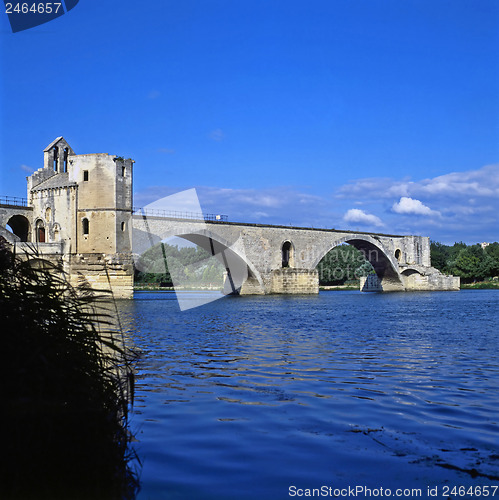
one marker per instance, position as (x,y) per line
(68,383)
(481,285)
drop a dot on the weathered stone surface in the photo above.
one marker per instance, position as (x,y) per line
(261,248)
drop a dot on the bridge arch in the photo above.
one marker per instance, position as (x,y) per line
(210,241)
(409,271)
(20,226)
(384,262)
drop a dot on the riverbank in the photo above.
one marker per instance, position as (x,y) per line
(481,285)
(151,287)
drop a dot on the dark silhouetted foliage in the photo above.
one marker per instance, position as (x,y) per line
(66,388)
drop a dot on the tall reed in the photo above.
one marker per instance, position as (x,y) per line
(67,385)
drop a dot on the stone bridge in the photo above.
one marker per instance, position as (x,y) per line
(78,212)
(283,259)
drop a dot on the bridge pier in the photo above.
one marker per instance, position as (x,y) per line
(429,279)
(294,281)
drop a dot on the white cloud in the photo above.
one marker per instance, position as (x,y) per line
(384,187)
(153,94)
(411,206)
(451,207)
(217,135)
(355,215)
(27,169)
(482,182)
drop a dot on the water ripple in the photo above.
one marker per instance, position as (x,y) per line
(400,389)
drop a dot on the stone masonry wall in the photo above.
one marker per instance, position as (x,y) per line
(103,272)
(431,282)
(295,281)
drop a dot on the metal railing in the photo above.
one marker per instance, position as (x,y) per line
(13,200)
(172,214)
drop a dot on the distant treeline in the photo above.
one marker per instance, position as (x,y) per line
(469,262)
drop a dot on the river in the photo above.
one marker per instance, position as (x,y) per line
(281,396)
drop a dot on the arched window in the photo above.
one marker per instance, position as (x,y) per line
(48,214)
(66,152)
(287,254)
(85,226)
(56,158)
(123,226)
(398,254)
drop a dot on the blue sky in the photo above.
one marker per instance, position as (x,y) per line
(356,114)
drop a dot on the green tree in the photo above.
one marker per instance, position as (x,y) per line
(439,256)
(341,264)
(471,264)
(493,252)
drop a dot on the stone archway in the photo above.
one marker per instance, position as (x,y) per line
(385,265)
(242,275)
(19,225)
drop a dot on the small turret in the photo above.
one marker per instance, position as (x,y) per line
(55,155)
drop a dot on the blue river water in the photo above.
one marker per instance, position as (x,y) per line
(282,397)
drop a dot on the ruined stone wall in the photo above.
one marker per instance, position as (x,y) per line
(431,282)
(112,272)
